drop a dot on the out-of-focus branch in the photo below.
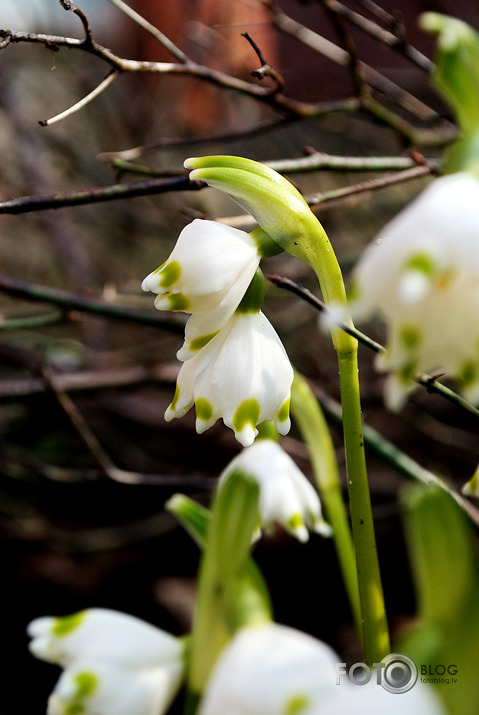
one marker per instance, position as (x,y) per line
(151,29)
(384,36)
(84,304)
(25,204)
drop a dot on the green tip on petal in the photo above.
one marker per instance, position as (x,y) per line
(169,274)
(65,625)
(296,705)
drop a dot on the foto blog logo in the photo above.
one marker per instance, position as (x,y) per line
(396,673)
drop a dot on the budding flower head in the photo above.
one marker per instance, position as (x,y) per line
(286,496)
(422,275)
(242,375)
(115,664)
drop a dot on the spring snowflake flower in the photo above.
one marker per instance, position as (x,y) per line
(242,375)
(114,664)
(285,494)
(273,669)
(422,274)
(207,274)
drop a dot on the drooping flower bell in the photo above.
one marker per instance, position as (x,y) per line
(422,275)
(272,669)
(242,375)
(286,496)
(115,664)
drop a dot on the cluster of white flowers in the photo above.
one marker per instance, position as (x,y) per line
(422,275)
(234,365)
(114,664)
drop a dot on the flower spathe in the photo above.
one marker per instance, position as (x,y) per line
(207,274)
(242,375)
(277,670)
(422,274)
(286,496)
(115,664)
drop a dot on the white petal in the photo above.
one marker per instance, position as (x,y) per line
(101,634)
(265,670)
(373,699)
(208,260)
(94,688)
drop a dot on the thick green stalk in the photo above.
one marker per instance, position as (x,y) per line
(317,437)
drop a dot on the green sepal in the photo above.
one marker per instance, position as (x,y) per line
(253,298)
(280,210)
(267,247)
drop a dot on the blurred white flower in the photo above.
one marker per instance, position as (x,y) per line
(242,375)
(115,664)
(207,274)
(276,670)
(269,670)
(422,275)
(285,494)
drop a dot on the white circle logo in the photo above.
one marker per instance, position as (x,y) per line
(398,673)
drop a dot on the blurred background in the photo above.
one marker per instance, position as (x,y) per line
(82,396)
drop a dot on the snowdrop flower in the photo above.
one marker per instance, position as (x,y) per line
(276,670)
(285,494)
(207,274)
(269,670)
(422,274)
(115,664)
(242,375)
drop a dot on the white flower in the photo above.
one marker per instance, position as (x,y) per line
(242,375)
(422,274)
(285,494)
(269,670)
(207,274)
(115,664)
(276,670)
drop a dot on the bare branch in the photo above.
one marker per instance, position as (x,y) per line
(104,84)
(266,70)
(96,306)
(151,29)
(25,204)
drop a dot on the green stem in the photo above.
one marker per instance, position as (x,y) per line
(374,623)
(315,432)
(375,634)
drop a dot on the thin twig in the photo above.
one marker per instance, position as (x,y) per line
(384,36)
(97,306)
(343,192)
(266,70)
(25,204)
(151,29)
(104,84)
